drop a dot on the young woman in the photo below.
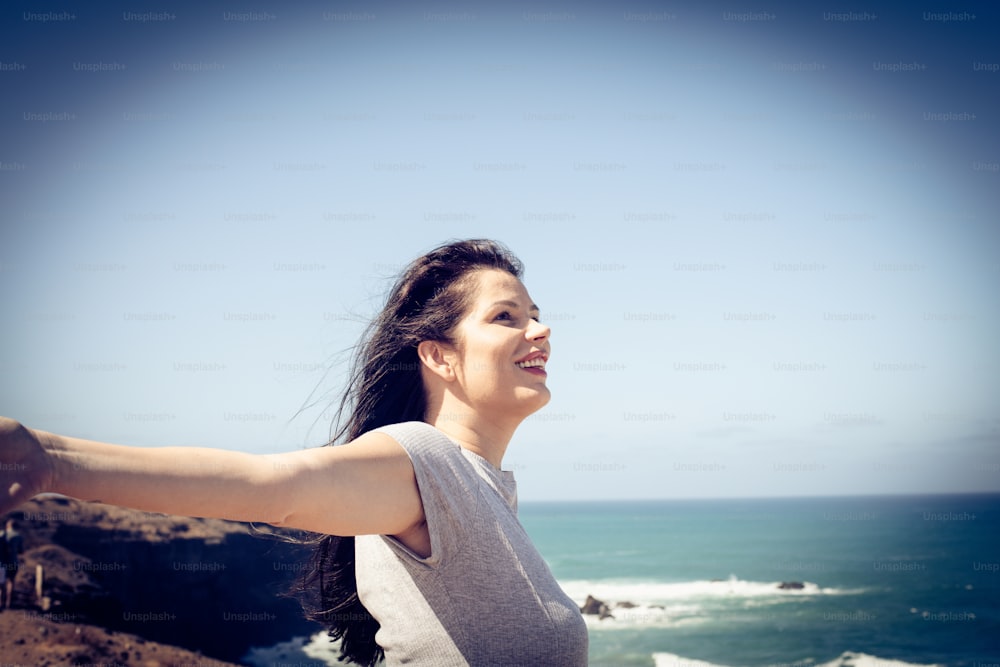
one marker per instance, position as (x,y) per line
(422,559)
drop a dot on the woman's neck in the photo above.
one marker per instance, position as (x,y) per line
(487,438)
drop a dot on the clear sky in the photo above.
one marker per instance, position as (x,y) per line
(765,237)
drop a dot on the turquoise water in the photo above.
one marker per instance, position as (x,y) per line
(886,582)
(906,579)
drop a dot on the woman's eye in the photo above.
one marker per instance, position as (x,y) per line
(503,316)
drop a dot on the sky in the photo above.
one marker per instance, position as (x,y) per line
(765,235)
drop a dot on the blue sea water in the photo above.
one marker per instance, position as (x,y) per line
(886,581)
(909,579)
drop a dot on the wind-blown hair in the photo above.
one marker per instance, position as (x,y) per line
(385,386)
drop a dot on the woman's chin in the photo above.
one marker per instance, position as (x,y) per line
(539,398)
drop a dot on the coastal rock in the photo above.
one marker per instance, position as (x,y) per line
(791,585)
(594,607)
(45,642)
(591,606)
(205,585)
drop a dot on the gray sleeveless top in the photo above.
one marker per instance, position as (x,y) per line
(484,596)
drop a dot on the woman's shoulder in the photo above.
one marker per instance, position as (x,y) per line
(421,439)
(414,428)
(413,424)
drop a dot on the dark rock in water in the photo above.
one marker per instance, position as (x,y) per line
(625,604)
(791,585)
(594,607)
(591,606)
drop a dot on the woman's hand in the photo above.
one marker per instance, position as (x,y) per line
(26,469)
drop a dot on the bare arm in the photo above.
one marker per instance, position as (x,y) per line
(364,487)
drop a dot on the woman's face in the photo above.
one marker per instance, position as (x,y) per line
(501,348)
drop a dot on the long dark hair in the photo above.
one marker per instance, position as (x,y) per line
(385,387)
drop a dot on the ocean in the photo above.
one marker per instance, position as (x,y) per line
(869,581)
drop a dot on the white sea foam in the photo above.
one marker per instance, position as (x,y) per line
(671,660)
(646,616)
(319,651)
(315,651)
(660,592)
(677,604)
(845,659)
(848,659)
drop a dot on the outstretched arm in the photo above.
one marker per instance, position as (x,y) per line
(364,487)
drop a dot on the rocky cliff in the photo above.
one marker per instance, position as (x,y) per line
(215,587)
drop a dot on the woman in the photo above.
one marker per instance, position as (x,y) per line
(440,567)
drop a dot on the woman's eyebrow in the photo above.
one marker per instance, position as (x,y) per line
(514,304)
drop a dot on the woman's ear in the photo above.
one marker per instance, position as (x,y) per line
(437,358)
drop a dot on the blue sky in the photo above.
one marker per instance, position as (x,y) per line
(765,239)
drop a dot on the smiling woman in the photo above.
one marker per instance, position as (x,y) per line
(420,557)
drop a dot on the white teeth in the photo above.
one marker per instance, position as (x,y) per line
(533,363)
